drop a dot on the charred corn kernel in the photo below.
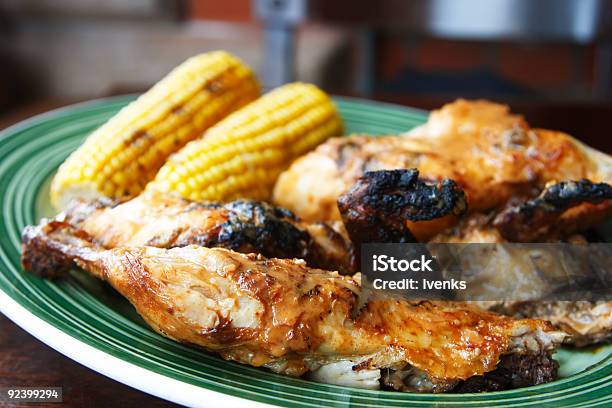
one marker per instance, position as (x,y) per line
(125,153)
(242,156)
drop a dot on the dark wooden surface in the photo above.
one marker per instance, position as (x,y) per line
(25,361)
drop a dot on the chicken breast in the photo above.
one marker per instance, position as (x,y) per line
(492,154)
(295,320)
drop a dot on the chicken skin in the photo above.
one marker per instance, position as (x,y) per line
(522,185)
(554,215)
(166,221)
(491,153)
(159,220)
(297,321)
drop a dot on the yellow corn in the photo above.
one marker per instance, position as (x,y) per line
(124,154)
(242,156)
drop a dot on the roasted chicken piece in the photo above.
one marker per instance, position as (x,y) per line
(295,320)
(492,154)
(556,214)
(585,322)
(553,216)
(560,210)
(501,163)
(156,219)
(383,206)
(167,221)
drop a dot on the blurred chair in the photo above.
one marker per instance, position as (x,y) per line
(568,21)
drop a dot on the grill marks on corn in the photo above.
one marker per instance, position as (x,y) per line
(120,157)
(243,154)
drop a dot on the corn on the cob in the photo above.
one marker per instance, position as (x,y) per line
(242,156)
(124,154)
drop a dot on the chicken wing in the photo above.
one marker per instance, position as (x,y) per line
(295,320)
(166,221)
(155,219)
(559,212)
(383,206)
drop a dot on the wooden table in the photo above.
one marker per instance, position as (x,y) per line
(26,362)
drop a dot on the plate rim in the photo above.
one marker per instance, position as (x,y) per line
(113,367)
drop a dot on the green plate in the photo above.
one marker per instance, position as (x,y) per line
(90,323)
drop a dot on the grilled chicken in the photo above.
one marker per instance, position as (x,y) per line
(492,154)
(560,210)
(556,214)
(155,219)
(166,221)
(553,216)
(585,322)
(518,183)
(383,206)
(297,321)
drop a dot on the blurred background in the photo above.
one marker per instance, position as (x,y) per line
(549,59)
